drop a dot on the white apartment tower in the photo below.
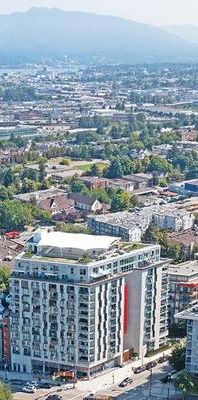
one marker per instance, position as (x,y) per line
(79,301)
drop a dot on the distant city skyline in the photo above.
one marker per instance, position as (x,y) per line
(155,12)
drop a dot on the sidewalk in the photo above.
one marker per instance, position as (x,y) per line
(116,375)
(105,379)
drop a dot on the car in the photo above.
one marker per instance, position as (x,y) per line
(138,370)
(28,389)
(54,397)
(33,383)
(151,364)
(44,385)
(162,359)
(166,378)
(126,382)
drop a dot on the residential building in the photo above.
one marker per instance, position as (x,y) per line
(183,287)
(140,181)
(192,186)
(119,224)
(132,225)
(56,204)
(86,203)
(79,301)
(191,360)
(93,182)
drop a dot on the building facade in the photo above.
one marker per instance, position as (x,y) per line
(183,287)
(79,301)
(191,360)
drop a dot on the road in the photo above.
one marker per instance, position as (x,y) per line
(140,388)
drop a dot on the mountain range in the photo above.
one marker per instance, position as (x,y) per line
(46,33)
(186,32)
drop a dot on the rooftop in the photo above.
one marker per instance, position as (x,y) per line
(190,314)
(186,269)
(73,240)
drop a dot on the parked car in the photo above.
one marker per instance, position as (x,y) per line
(166,378)
(54,397)
(29,389)
(151,364)
(126,382)
(44,385)
(33,383)
(138,370)
(162,359)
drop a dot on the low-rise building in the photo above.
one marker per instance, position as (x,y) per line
(119,224)
(86,203)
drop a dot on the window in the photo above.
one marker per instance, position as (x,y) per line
(82,271)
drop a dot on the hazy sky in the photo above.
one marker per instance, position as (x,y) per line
(156,12)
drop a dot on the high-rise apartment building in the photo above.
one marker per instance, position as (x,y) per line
(191,360)
(80,301)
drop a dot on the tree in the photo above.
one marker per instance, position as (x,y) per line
(96,170)
(42,171)
(115,170)
(8,177)
(64,161)
(120,201)
(5,393)
(77,186)
(134,201)
(158,164)
(4,277)
(177,358)
(14,214)
(187,384)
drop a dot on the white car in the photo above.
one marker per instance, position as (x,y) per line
(33,383)
(29,389)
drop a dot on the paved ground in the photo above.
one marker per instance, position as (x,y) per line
(140,389)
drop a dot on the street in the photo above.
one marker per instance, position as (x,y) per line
(141,388)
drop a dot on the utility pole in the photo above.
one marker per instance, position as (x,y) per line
(168,396)
(150,384)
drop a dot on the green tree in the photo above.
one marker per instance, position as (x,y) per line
(177,358)
(4,277)
(115,170)
(8,177)
(96,170)
(120,201)
(14,214)
(64,161)
(42,171)
(187,384)
(77,186)
(5,392)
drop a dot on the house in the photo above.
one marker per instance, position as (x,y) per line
(86,203)
(93,182)
(56,204)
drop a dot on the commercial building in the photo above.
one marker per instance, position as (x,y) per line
(183,287)
(191,316)
(80,301)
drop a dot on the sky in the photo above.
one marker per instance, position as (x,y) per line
(156,12)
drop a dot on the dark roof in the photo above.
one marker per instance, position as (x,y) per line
(83,198)
(57,203)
